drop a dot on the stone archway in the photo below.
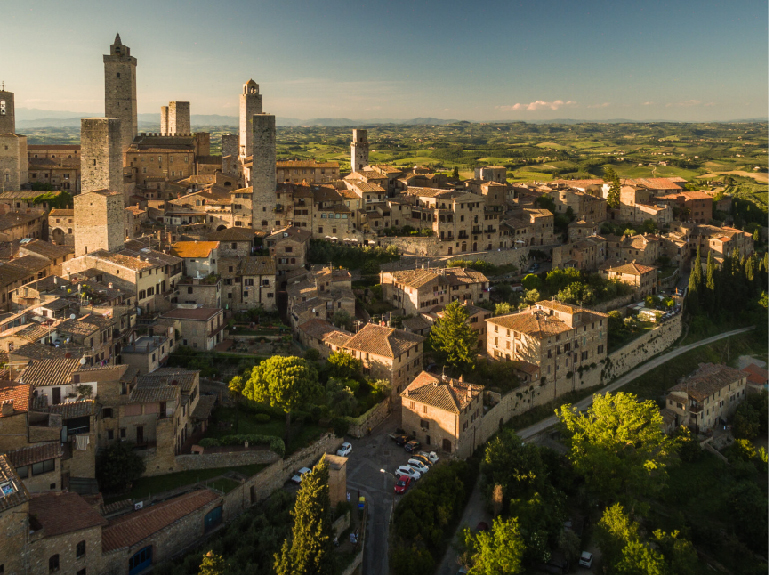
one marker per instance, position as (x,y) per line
(221,227)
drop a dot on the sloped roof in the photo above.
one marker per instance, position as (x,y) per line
(756,375)
(19,394)
(63,512)
(632,269)
(16,493)
(447,394)
(34,454)
(708,379)
(193,249)
(74,409)
(128,530)
(50,372)
(385,341)
(534,323)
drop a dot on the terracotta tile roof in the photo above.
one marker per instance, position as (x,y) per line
(257,265)
(368,187)
(33,332)
(50,372)
(632,269)
(204,407)
(338,338)
(34,454)
(450,276)
(655,183)
(14,492)
(170,376)
(306,164)
(128,530)
(19,394)
(154,394)
(74,409)
(317,328)
(63,512)
(193,249)
(35,351)
(47,249)
(384,341)
(293,232)
(756,375)
(708,379)
(537,324)
(448,394)
(232,235)
(61,213)
(77,327)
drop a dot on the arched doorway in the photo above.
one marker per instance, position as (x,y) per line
(220,228)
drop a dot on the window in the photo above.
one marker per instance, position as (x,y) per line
(53,564)
(106,413)
(80,549)
(42,467)
(425,423)
(81,572)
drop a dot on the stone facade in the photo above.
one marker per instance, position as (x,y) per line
(101,157)
(250,104)
(178,118)
(120,93)
(7,113)
(99,222)
(359,150)
(13,162)
(416,291)
(263,171)
(309,171)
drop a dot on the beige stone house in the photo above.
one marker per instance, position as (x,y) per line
(248,282)
(559,339)
(707,397)
(415,291)
(642,278)
(310,171)
(443,413)
(289,248)
(200,327)
(61,227)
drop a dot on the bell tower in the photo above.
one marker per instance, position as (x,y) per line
(120,90)
(250,104)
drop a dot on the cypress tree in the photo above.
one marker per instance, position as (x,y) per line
(710,284)
(311,551)
(695,283)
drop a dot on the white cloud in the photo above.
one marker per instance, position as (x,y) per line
(538,105)
(604,105)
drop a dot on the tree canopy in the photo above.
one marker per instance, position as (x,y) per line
(117,466)
(618,445)
(452,338)
(497,551)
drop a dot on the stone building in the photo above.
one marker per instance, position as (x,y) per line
(120,93)
(99,221)
(721,241)
(250,105)
(248,282)
(147,353)
(319,294)
(587,254)
(443,413)
(15,400)
(309,171)
(198,258)
(695,206)
(707,397)
(289,247)
(642,278)
(323,336)
(642,248)
(101,158)
(359,150)
(559,339)
(585,207)
(14,162)
(234,242)
(415,291)
(387,353)
(200,327)
(175,119)
(154,159)
(14,519)
(496,174)
(262,175)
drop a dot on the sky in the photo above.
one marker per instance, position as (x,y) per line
(485,60)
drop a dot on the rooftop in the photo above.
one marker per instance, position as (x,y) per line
(383,341)
(193,249)
(63,512)
(707,379)
(445,393)
(50,372)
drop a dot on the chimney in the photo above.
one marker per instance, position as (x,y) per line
(7,408)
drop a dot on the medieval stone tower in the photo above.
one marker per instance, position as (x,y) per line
(99,221)
(230,154)
(175,119)
(250,104)
(120,90)
(101,155)
(359,150)
(13,148)
(264,178)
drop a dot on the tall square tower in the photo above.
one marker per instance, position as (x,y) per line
(7,117)
(359,150)
(101,155)
(99,221)
(250,104)
(178,118)
(120,90)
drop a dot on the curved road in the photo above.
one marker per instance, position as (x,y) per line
(475,508)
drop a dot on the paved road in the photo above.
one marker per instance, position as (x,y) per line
(475,512)
(369,455)
(627,378)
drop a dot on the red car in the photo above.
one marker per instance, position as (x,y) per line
(402,484)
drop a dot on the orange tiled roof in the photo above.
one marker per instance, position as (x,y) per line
(193,249)
(384,341)
(447,394)
(63,512)
(19,394)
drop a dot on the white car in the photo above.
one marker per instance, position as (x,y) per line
(586,559)
(297,478)
(432,456)
(345,450)
(408,470)
(418,465)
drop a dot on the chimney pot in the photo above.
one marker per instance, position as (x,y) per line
(7,408)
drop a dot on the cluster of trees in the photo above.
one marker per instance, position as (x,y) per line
(117,466)
(735,290)
(366,258)
(428,514)
(750,418)
(569,285)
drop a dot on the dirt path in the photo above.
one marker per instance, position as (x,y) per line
(627,378)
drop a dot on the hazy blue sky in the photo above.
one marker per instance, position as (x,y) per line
(475,60)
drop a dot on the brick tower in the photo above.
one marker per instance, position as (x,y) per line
(359,150)
(120,90)
(250,104)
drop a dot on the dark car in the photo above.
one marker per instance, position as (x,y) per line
(402,484)
(412,446)
(399,438)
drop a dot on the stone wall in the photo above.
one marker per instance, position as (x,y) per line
(643,348)
(179,118)
(412,245)
(369,420)
(224,459)
(101,157)
(518,257)
(612,304)
(341,525)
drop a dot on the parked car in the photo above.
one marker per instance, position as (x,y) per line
(586,559)
(418,465)
(399,438)
(422,459)
(403,483)
(406,470)
(345,450)
(412,446)
(432,456)
(297,478)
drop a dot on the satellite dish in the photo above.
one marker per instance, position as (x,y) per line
(72,316)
